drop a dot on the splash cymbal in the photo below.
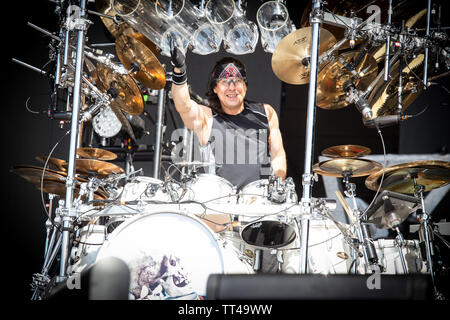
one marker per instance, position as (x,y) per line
(96,153)
(400,178)
(291,57)
(340,167)
(346,151)
(128,98)
(133,53)
(330,81)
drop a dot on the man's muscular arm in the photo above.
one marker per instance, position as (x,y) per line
(277,153)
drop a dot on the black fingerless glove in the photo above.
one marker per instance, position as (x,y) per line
(178,61)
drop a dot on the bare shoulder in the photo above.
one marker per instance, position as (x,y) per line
(270,112)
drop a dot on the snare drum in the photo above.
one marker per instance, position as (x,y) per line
(211,189)
(170,255)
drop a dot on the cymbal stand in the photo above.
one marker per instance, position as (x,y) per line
(424,225)
(369,252)
(316,18)
(79,23)
(427,34)
(159,133)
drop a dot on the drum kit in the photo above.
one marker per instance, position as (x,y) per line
(174,233)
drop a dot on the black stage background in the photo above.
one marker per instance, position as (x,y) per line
(27,134)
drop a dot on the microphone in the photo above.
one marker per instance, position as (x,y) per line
(355,96)
(385,121)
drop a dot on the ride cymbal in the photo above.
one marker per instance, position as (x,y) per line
(331,79)
(291,57)
(137,57)
(401,178)
(346,151)
(340,167)
(96,153)
(125,92)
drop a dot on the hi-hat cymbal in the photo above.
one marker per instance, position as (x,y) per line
(291,57)
(340,167)
(133,53)
(129,98)
(346,151)
(96,153)
(330,81)
(384,97)
(400,178)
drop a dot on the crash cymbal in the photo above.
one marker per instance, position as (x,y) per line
(400,178)
(290,59)
(384,97)
(33,174)
(96,153)
(331,79)
(53,163)
(129,98)
(100,168)
(132,52)
(346,151)
(340,167)
(51,181)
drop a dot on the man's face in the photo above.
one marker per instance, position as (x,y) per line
(231,92)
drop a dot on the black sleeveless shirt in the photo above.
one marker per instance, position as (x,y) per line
(239,145)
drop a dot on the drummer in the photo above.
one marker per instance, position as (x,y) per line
(242,138)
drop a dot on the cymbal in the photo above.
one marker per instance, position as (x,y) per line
(129,98)
(33,174)
(330,81)
(400,178)
(53,182)
(290,59)
(100,168)
(339,167)
(95,153)
(346,151)
(53,163)
(132,51)
(384,97)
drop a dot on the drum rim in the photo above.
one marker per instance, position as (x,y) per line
(212,176)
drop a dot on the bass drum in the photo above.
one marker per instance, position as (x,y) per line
(170,255)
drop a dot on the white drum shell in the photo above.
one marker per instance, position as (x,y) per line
(210,188)
(328,251)
(170,255)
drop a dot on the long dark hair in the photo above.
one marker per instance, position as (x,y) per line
(213,99)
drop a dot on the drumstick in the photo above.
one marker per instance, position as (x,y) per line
(345,205)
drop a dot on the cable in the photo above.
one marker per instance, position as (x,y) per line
(384,169)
